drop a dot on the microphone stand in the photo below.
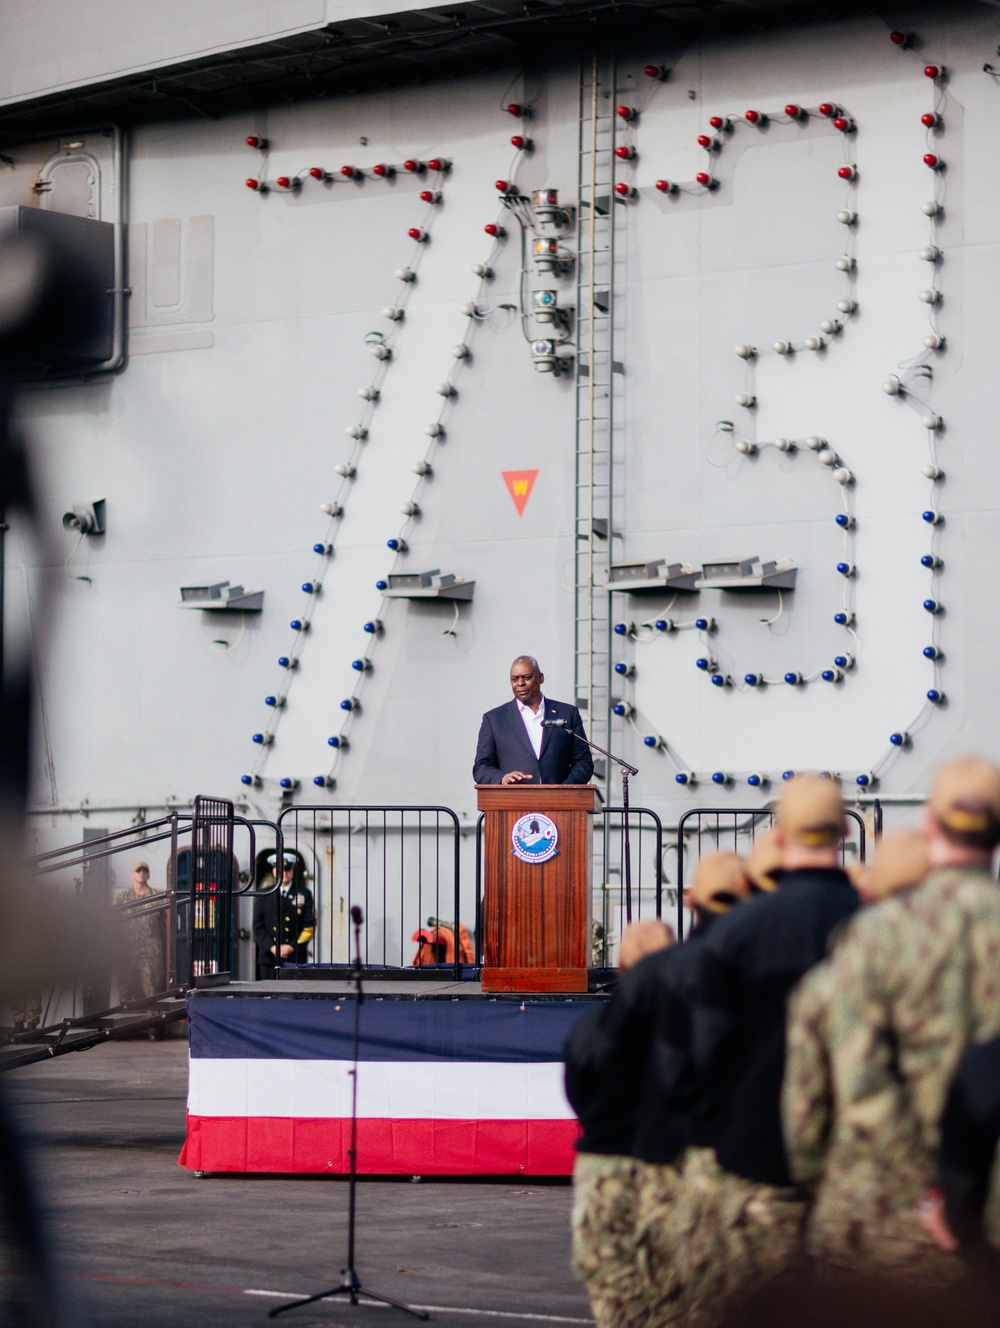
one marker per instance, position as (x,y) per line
(626,770)
(350,1284)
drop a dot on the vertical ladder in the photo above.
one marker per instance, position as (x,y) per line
(595,391)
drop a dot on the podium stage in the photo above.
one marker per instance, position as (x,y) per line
(452,1081)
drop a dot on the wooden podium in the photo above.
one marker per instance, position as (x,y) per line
(536,902)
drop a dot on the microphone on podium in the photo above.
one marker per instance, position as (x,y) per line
(357,917)
(555,723)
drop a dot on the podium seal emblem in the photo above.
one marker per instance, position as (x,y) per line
(534,838)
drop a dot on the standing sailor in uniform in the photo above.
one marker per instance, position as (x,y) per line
(515,748)
(284,921)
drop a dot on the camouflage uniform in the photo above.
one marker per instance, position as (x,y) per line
(658,1188)
(912,984)
(604,1217)
(144,970)
(728,1235)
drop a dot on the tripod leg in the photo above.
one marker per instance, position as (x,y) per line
(396,1304)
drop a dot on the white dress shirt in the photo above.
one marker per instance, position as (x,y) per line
(533,724)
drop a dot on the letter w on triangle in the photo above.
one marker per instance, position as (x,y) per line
(519,485)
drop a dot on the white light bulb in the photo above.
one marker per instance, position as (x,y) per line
(933,342)
(827,458)
(930,208)
(332,509)
(482,270)
(933,472)
(815,444)
(782,444)
(844,263)
(357,431)
(434,430)
(346,470)
(930,296)
(444,389)
(931,421)
(745,352)
(368,393)
(405,274)
(460,351)
(930,254)
(381,352)
(815,343)
(392,312)
(846,217)
(891,387)
(745,447)
(421,467)
(782,348)
(847,306)
(471,310)
(843,476)
(746,399)
(830,326)
(410,509)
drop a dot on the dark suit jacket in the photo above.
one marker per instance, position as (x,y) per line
(504,746)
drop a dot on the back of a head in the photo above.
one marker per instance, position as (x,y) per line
(901,861)
(965,803)
(720,881)
(763,861)
(810,813)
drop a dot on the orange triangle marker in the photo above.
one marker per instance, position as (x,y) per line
(519,485)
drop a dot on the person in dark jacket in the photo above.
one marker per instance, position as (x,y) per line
(531,740)
(284,921)
(753,960)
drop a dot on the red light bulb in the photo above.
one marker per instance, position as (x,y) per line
(932,71)
(623,189)
(283,182)
(718,122)
(415,233)
(317,172)
(518,141)
(827,108)
(847,172)
(515,108)
(503,186)
(253,184)
(932,160)
(664,186)
(627,112)
(706,141)
(415,167)
(703,178)
(753,117)
(898,38)
(381,170)
(348,172)
(793,111)
(842,123)
(654,71)
(491,228)
(255,141)
(930,120)
(437,164)
(624,152)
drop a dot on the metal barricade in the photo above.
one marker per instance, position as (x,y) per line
(734,829)
(400,864)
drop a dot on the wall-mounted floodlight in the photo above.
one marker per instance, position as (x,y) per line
(86,518)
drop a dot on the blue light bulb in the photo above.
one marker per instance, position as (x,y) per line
(286,783)
(621,629)
(719,778)
(348,704)
(270,700)
(788,774)
(863,780)
(754,781)
(284,662)
(619,708)
(319,548)
(718,680)
(841,619)
(246,779)
(844,520)
(845,569)
(663,625)
(622,668)
(320,781)
(308,587)
(841,661)
(258,737)
(829,675)
(682,778)
(381,585)
(296,624)
(793,679)
(931,652)
(899,739)
(360,665)
(932,518)
(930,560)
(703,663)
(752,679)
(934,696)
(650,740)
(372,627)
(932,606)
(397,545)
(703,624)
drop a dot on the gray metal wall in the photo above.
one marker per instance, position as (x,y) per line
(217,445)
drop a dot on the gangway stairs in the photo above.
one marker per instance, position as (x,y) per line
(127,1020)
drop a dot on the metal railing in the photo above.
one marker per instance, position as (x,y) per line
(400,864)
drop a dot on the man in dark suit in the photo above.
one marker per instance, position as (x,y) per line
(515,748)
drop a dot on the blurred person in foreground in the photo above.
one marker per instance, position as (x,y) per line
(831,1166)
(913,985)
(668,1209)
(605,1062)
(750,1225)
